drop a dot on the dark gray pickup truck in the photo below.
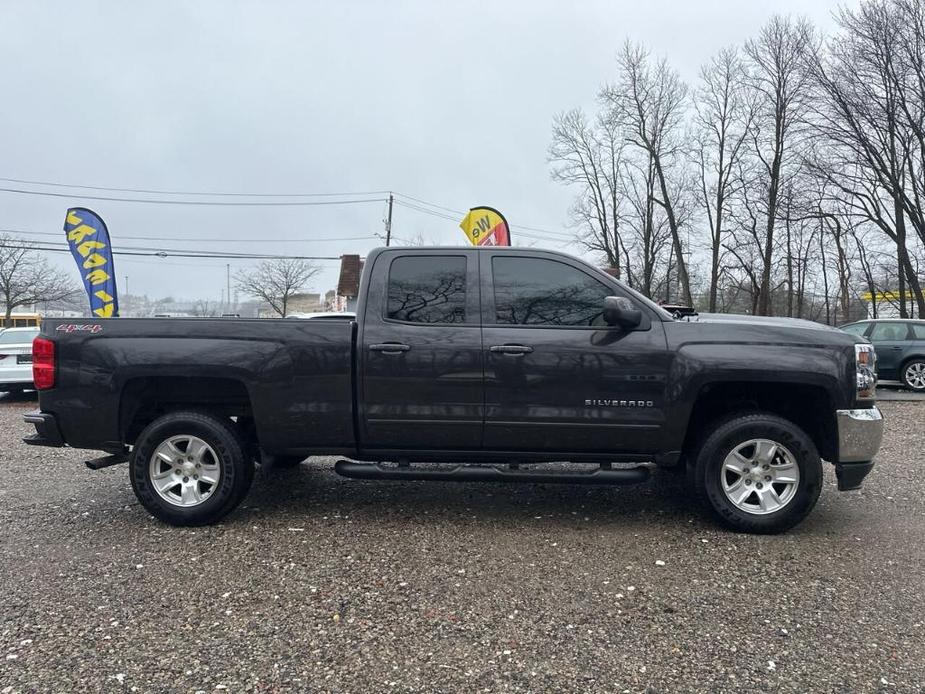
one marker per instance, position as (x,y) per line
(485,363)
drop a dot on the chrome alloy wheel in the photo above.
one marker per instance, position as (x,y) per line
(184,471)
(914,375)
(760,476)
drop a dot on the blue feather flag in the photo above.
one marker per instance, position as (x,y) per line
(88,239)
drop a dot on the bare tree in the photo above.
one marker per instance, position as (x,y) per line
(648,104)
(861,116)
(723,121)
(26,278)
(780,82)
(275,281)
(589,155)
(802,161)
(203,308)
(646,235)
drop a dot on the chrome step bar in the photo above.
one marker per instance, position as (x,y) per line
(489,473)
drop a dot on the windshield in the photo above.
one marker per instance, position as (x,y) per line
(15,337)
(662,313)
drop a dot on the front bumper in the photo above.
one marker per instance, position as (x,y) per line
(860,433)
(46,433)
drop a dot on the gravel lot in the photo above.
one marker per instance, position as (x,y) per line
(326,584)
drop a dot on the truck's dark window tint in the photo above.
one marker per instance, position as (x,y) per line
(427,289)
(534,291)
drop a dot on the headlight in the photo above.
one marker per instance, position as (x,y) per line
(865,360)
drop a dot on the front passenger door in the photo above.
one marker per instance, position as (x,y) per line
(557,378)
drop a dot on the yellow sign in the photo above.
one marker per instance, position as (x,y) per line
(485,226)
(888,296)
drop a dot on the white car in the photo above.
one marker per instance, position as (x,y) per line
(16,359)
(328,315)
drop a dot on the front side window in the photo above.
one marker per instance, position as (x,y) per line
(536,291)
(427,289)
(888,331)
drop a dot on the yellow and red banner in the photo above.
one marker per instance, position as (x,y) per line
(485,226)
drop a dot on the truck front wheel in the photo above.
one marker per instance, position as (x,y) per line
(190,468)
(759,472)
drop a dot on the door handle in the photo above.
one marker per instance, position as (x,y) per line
(510,349)
(389,347)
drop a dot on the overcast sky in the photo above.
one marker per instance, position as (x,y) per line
(451,103)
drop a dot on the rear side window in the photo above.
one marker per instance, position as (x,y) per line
(427,289)
(918,330)
(536,291)
(856,329)
(889,331)
(12,337)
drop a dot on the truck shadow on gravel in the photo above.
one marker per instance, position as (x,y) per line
(22,397)
(314,490)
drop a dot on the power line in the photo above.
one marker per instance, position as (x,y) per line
(461,212)
(187,263)
(206,203)
(429,204)
(434,213)
(425,210)
(353,198)
(195,193)
(543,231)
(174,253)
(43,245)
(23,232)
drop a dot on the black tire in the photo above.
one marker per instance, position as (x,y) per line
(237,468)
(902,374)
(735,431)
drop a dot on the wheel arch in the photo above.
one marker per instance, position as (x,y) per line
(809,406)
(145,398)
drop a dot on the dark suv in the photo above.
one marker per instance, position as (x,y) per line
(900,347)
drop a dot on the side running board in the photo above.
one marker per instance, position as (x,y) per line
(488,473)
(107,461)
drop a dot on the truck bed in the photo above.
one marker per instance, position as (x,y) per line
(297,375)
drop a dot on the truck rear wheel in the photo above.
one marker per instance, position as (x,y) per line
(759,472)
(190,468)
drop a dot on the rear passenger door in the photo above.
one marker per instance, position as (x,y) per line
(420,353)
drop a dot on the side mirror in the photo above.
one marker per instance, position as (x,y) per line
(620,311)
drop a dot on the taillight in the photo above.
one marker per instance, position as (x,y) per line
(43,363)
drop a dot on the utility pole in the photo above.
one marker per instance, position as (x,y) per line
(126,285)
(388,223)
